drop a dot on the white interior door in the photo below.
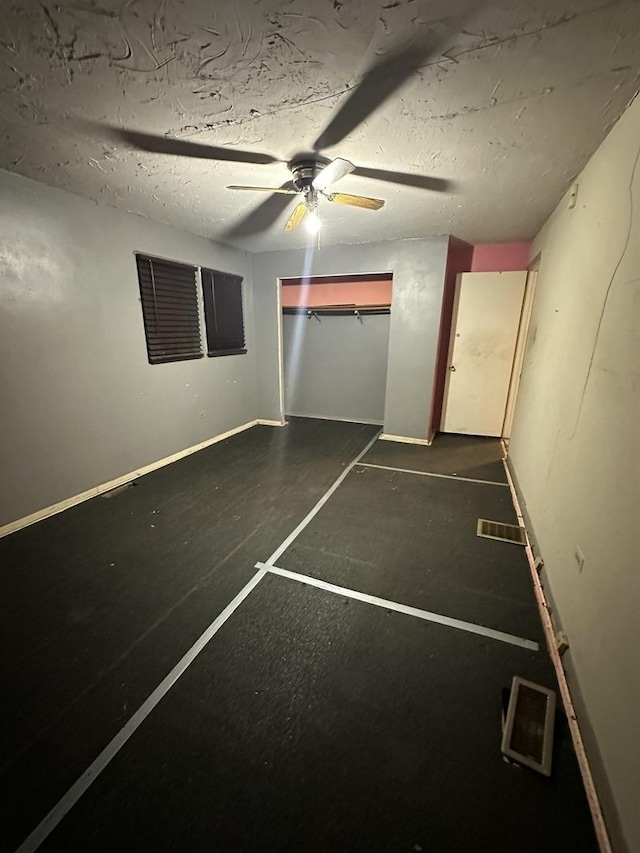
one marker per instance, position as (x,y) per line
(486,317)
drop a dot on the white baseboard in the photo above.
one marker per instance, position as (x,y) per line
(262,422)
(404,439)
(12,526)
(329,418)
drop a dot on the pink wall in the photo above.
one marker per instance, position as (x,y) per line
(320,293)
(500,257)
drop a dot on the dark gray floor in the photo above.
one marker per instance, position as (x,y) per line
(98,603)
(413,539)
(455,455)
(316,723)
(310,721)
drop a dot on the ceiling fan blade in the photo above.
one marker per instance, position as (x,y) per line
(377,85)
(299,212)
(356,200)
(265,190)
(262,216)
(407,179)
(184,148)
(331,173)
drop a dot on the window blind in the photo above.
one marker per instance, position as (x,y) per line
(222,294)
(169,297)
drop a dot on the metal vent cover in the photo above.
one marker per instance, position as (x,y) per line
(502,532)
(528,731)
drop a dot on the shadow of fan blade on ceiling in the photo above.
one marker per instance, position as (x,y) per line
(377,85)
(262,216)
(407,179)
(184,148)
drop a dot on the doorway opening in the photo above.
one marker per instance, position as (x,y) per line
(335,340)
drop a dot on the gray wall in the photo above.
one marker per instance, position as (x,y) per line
(418,268)
(575,449)
(337,367)
(80,404)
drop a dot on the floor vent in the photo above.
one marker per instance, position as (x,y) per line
(527,736)
(502,532)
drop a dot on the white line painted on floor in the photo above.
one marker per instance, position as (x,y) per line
(316,509)
(431,474)
(427,615)
(58,812)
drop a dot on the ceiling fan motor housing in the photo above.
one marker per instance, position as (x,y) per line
(304,171)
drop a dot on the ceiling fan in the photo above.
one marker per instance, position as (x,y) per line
(312,179)
(312,175)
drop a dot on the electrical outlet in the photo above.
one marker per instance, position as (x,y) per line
(578,556)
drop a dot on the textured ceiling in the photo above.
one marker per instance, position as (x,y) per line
(517,98)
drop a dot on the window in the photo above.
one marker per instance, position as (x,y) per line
(223,313)
(171,310)
(169,296)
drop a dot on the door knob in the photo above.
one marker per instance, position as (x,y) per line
(452,368)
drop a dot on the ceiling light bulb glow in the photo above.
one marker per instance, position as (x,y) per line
(313,222)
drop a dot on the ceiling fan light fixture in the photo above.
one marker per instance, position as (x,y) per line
(312,222)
